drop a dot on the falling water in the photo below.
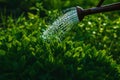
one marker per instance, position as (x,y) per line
(62,25)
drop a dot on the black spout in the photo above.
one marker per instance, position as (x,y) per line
(106,8)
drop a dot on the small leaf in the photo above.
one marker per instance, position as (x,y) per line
(2,52)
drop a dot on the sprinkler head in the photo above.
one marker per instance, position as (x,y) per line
(80,13)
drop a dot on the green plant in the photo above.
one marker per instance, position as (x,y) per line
(25,55)
(90,51)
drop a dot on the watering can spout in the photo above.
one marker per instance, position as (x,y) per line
(80,12)
(106,8)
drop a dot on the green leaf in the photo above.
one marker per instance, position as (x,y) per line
(2,52)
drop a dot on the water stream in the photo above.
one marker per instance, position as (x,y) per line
(61,25)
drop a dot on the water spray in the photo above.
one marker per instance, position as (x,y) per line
(65,22)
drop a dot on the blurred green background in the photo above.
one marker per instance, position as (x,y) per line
(20,6)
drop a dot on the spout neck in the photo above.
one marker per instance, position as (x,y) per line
(105,8)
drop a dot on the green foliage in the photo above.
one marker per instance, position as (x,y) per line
(100,32)
(51,4)
(25,55)
(90,51)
